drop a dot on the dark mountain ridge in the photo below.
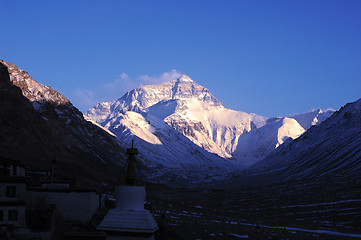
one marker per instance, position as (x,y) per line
(38,125)
(327,150)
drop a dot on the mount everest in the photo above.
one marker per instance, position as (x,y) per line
(175,118)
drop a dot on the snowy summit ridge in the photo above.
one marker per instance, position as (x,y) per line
(144,97)
(185,78)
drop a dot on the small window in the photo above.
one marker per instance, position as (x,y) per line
(1,215)
(4,170)
(10,191)
(13,215)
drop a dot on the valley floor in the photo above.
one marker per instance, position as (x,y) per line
(328,208)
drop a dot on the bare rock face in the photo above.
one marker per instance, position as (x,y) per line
(32,90)
(20,123)
(39,124)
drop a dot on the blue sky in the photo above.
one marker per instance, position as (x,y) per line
(273,58)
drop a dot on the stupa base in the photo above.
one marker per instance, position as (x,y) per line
(121,221)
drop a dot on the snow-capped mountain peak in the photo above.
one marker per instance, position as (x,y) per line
(184,88)
(157,115)
(187,107)
(314,117)
(144,97)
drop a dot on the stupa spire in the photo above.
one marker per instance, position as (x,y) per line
(131,177)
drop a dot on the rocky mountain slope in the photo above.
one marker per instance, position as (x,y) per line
(328,149)
(38,124)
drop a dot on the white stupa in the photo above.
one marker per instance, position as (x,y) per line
(129,219)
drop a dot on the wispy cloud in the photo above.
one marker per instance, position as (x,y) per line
(120,85)
(84,99)
(125,83)
(164,77)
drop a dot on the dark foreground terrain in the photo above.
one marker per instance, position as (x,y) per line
(328,208)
